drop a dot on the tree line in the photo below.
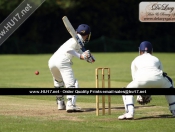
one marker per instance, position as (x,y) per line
(115,20)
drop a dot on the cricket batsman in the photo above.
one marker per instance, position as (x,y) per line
(61,70)
(147,72)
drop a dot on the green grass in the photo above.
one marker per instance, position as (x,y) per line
(39,113)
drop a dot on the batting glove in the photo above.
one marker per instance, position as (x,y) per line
(86,55)
(91,59)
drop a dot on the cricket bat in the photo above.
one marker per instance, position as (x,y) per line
(72,32)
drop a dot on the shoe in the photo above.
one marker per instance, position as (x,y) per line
(72,108)
(60,103)
(126,116)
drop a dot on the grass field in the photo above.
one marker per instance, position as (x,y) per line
(39,113)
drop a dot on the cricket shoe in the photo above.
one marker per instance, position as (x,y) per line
(61,104)
(72,108)
(126,116)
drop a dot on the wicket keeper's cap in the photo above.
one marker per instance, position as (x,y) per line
(83,29)
(146,46)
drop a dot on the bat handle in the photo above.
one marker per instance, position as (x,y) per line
(83,49)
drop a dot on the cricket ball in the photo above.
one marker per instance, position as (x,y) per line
(36,72)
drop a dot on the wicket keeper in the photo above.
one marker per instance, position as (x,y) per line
(147,72)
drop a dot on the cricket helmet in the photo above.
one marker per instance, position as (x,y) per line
(84,29)
(146,46)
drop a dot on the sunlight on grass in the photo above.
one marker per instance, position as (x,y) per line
(18,70)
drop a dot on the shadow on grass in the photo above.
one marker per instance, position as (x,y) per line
(112,108)
(153,117)
(136,107)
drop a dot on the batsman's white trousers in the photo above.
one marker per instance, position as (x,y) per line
(61,70)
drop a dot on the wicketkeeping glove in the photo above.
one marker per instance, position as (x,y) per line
(143,99)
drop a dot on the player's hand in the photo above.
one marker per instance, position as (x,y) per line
(143,99)
(86,55)
(91,59)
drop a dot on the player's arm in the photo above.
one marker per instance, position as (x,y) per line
(133,69)
(160,66)
(84,56)
(74,53)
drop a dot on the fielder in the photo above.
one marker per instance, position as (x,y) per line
(147,72)
(61,70)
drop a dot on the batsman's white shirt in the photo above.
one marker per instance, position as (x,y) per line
(146,71)
(61,61)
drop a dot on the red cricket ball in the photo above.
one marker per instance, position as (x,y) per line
(36,72)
